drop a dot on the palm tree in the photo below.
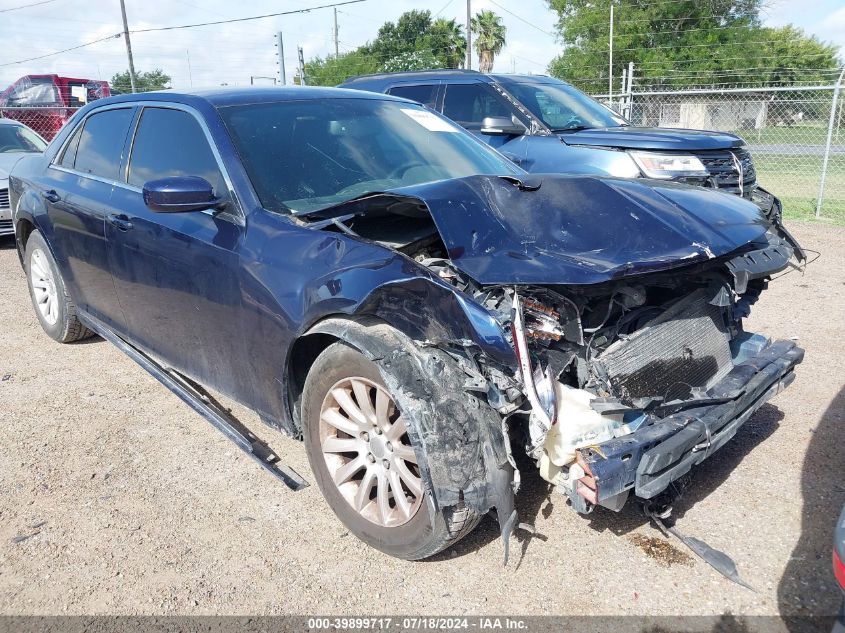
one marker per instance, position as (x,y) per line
(449,42)
(489,38)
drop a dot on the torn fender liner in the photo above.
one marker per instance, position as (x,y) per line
(464,458)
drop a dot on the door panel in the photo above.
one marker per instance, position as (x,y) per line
(176,274)
(177,280)
(78,194)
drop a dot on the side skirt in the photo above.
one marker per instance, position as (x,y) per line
(197,397)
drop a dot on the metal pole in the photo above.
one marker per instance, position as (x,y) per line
(630,89)
(836,88)
(469,36)
(624,92)
(128,46)
(190,74)
(336,49)
(281,52)
(301,66)
(610,65)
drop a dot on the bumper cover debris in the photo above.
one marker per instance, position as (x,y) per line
(654,456)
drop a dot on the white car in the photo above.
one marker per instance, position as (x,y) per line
(16,141)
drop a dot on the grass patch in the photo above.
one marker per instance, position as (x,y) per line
(794,135)
(795,180)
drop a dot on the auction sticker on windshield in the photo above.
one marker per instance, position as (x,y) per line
(429,121)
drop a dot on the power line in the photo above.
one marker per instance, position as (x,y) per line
(26,6)
(66,50)
(521,19)
(247,19)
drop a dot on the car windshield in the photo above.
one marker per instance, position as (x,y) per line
(306,155)
(17,138)
(562,107)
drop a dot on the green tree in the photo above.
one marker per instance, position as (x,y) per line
(447,42)
(489,38)
(408,34)
(144,81)
(332,70)
(412,60)
(682,43)
(413,42)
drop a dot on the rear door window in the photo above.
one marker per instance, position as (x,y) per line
(171,143)
(69,154)
(470,104)
(424,94)
(101,143)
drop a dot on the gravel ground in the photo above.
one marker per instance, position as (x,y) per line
(118,499)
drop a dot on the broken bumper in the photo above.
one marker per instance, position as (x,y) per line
(649,459)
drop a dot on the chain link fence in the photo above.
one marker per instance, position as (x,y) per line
(796,136)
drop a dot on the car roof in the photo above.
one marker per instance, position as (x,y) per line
(379,81)
(11,122)
(222,97)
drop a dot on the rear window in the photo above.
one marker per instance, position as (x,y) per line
(101,143)
(424,94)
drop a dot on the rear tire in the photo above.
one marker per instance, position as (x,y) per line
(53,306)
(403,529)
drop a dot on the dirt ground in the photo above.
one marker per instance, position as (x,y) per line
(117,498)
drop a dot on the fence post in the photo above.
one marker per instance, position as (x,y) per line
(829,142)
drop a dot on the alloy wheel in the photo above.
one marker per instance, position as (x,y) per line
(365,444)
(44,287)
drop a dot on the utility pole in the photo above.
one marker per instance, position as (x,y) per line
(336,49)
(128,46)
(280,51)
(301,66)
(469,35)
(610,65)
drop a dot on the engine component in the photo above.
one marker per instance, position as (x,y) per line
(686,348)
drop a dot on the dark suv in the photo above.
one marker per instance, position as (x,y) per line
(546,125)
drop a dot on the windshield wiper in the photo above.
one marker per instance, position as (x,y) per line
(577,128)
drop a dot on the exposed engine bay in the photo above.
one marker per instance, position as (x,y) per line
(599,362)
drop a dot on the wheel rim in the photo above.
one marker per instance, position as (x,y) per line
(44,286)
(365,444)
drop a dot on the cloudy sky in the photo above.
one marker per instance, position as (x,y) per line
(231,53)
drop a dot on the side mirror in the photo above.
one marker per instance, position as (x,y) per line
(501,126)
(180,194)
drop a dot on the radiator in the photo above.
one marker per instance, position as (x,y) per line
(687,346)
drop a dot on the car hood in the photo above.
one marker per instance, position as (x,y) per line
(654,138)
(582,229)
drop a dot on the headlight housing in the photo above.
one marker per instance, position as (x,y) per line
(666,166)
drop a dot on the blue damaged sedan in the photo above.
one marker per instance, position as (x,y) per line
(369,277)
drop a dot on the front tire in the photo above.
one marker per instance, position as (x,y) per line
(53,306)
(365,463)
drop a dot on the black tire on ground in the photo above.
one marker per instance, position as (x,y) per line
(420,537)
(67,327)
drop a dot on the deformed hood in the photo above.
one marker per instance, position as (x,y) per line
(582,229)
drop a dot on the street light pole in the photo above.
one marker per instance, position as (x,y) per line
(128,46)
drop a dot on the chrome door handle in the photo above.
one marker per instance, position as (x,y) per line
(50,195)
(121,222)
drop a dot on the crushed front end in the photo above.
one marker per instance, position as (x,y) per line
(623,386)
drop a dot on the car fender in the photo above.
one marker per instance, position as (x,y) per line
(30,208)
(459,438)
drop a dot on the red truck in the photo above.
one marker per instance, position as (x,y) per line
(46,102)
